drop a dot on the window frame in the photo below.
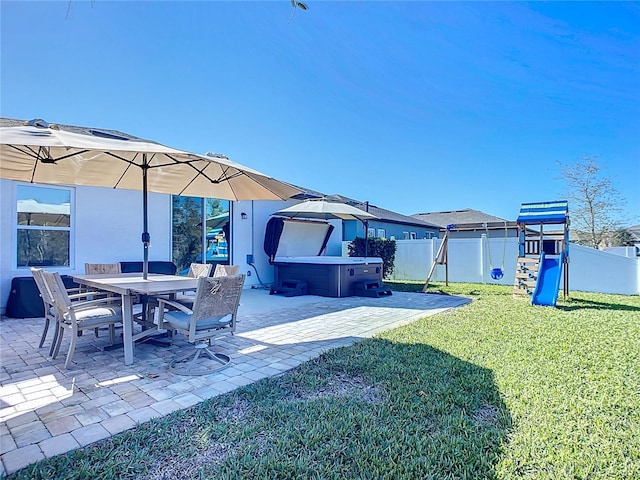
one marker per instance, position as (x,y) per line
(15,226)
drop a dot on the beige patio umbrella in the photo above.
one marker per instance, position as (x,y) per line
(39,152)
(325,210)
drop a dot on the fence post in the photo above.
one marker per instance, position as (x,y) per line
(483,244)
(433,256)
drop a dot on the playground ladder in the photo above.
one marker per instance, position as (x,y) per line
(526,275)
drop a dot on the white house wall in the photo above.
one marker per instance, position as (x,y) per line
(248,238)
(107,227)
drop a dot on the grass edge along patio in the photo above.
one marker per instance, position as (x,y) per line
(495,389)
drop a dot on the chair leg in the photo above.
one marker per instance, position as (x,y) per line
(112,333)
(218,357)
(72,347)
(44,332)
(56,350)
(56,332)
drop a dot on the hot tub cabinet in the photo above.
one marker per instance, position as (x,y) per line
(327,276)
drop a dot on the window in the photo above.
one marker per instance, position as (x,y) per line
(382,233)
(414,235)
(371,232)
(200,229)
(405,235)
(43,226)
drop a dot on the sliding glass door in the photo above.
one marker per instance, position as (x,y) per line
(200,230)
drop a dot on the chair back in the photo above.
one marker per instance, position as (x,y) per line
(58,291)
(223,270)
(197,270)
(45,294)
(218,297)
(101,268)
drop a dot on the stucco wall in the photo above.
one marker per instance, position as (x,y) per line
(107,227)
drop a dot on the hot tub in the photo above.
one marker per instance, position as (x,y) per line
(295,249)
(327,276)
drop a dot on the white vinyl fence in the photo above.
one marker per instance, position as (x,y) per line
(590,270)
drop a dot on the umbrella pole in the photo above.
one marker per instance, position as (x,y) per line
(146,238)
(366,231)
(366,238)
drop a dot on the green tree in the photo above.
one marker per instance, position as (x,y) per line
(595,206)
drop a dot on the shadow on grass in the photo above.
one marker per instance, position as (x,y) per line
(583,304)
(375,410)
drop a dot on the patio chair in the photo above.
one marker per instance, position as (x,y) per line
(222,270)
(214,312)
(196,270)
(101,268)
(49,309)
(79,315)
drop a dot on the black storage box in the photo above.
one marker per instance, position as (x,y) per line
(24,298)
(155,266)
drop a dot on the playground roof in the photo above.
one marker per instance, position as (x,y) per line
(544,212)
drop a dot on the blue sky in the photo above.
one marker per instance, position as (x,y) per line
(414,106)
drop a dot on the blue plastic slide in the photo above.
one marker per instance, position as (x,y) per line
(548,284)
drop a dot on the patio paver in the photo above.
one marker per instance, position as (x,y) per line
(46,410)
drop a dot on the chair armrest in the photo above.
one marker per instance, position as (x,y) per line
(178,306)
(94,293)
(78,306)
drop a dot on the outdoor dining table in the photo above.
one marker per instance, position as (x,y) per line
(128,285)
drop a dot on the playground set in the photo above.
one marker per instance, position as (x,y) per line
(543,252)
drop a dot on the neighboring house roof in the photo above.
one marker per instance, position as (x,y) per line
(635,232)
(382,213)
(468,217)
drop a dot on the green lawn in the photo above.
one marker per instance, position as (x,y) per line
(496,389)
